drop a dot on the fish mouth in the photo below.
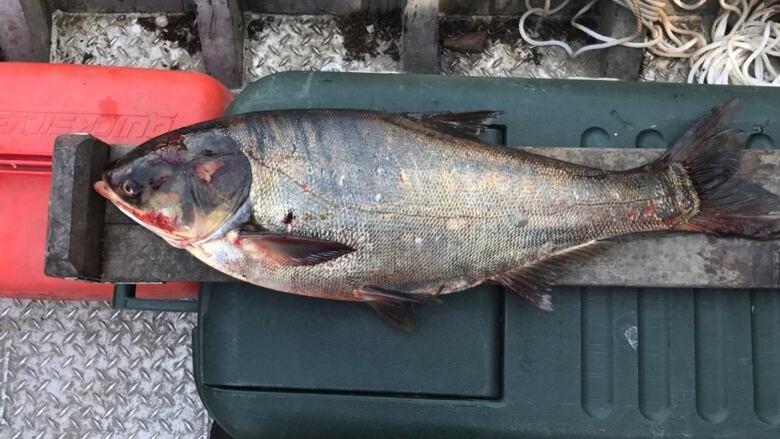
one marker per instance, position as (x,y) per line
(102,188)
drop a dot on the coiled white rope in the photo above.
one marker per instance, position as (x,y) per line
(665,39)
(688,6)
(743,48)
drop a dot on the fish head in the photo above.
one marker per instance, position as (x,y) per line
(182,186)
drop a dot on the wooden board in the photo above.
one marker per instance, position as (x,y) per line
(132,254)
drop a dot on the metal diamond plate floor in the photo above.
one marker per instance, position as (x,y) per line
(276,43)
(130,40)
(84,370)
(506,54)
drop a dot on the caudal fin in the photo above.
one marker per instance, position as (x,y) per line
(710,152)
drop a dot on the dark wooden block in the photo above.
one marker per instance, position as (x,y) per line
(219,28)
(25,30)
(419,39)
(75,222)
(620,62)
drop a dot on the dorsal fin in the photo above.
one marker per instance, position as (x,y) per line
(469,125)
(533,281)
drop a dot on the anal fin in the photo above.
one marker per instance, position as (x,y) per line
(394,306)
(534,281)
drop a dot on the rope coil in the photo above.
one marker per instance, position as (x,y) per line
(744,38)
(741,52)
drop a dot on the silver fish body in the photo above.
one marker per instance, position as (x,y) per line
(426,212)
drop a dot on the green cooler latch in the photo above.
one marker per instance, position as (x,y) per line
(124,298)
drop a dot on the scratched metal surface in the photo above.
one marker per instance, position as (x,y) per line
(506,55)
(664,69)
(118,40)
(277,43)
(84,370)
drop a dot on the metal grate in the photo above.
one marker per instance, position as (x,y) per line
(662,69)
(83,370)
(130,40)
(506,54)
(276,43)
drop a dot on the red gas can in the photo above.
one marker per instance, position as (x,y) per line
(118,105)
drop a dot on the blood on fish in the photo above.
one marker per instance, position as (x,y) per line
(233,238)
(288,218)
(649,209)
(171,148)
(157,219)
(632,214)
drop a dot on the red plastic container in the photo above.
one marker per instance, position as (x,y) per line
(118,105)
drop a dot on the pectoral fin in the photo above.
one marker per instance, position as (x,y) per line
(288,249)
(533,281)
(394,306)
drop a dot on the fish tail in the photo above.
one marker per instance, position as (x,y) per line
(723,203)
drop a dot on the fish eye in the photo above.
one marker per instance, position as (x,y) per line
(207,153)
(131,188)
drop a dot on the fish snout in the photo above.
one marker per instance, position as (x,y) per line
(102,188)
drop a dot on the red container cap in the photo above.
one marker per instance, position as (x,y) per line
(119,105)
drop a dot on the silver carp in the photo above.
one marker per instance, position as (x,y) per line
(395,209)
